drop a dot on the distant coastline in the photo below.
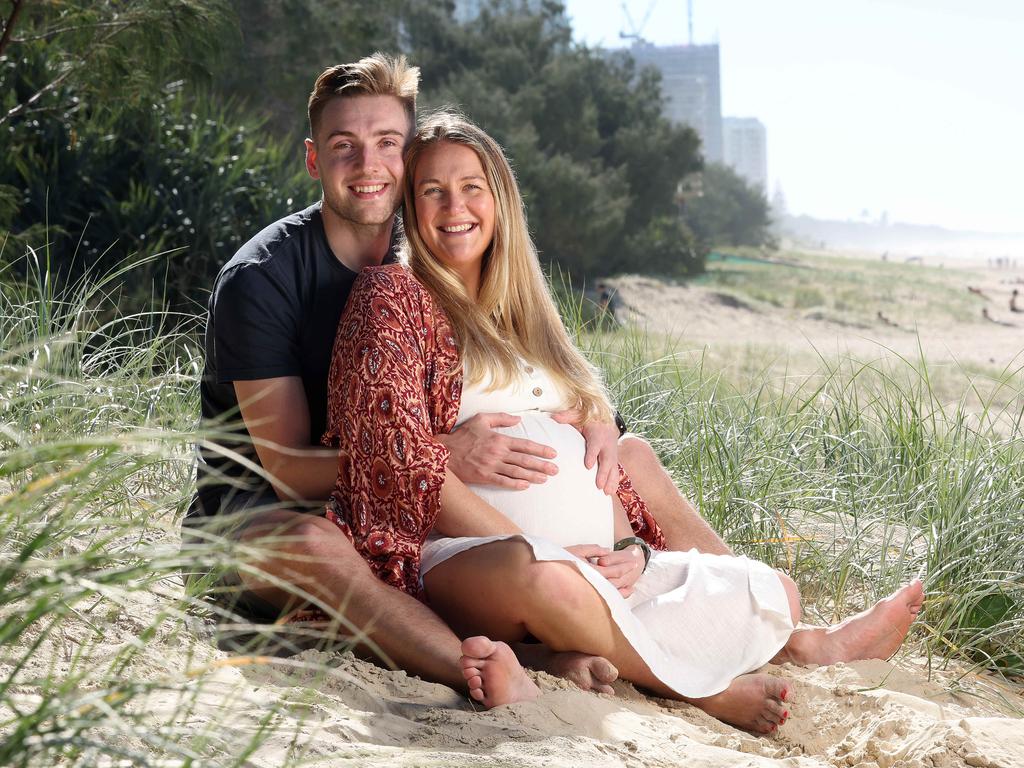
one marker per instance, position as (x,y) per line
(902,240)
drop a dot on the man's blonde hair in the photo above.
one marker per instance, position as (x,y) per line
(514,315)
(376,75)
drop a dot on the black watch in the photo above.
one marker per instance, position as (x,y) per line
(621,424)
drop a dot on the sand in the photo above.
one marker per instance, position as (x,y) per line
(334,709)
(701,317)
(325,707)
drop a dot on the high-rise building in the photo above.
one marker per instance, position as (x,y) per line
(691,85)
(745,148)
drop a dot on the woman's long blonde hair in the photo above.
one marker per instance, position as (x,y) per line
(513,315)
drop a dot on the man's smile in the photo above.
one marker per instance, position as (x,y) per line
(369,191)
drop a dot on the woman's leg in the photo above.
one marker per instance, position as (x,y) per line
(876,633)
(501,591)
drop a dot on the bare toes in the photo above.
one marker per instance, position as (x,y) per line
(604,671)
(478,647)
(777,689)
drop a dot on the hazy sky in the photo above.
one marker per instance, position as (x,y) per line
(914,107)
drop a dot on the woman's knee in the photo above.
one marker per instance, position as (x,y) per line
(557,583)
(793,595)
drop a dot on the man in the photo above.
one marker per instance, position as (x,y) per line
(274,311)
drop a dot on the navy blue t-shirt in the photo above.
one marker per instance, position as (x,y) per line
(273,312)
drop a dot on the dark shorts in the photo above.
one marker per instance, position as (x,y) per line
(227,518)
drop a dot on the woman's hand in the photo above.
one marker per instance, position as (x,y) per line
(621,568)
(602,441)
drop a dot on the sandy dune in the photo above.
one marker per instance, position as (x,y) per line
(700,317)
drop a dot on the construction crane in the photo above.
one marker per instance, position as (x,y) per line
(636,33)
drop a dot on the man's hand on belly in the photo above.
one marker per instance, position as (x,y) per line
(485,457)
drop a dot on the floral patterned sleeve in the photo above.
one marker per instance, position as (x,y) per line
(385,404)
(640,518)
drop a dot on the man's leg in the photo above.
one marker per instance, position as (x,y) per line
(311,554)
(680,521)
(876,633)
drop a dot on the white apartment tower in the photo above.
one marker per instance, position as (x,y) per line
(745,148)
(691,84)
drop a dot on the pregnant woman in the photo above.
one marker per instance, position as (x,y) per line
(466,325)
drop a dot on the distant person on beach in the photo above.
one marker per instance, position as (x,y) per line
(273,317)
(607,301)
(1014,306)
(463,325)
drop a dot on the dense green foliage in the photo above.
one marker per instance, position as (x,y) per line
(142,167)
(141,127)
(730,211)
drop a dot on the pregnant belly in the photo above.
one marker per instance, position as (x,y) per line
(568,508)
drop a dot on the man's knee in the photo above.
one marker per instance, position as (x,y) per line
(296,533)
(793,595)
(636,454)
(293,544)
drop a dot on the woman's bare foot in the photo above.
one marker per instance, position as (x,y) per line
(591,673)
(493,673)
(752,702)
(876,633)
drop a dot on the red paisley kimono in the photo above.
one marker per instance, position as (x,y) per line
(395,382)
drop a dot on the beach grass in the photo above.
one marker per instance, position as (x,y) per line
(98,413)
(852,480)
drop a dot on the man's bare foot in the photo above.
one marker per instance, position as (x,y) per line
(493,673)
(876,633)
(591,673)
(752,702)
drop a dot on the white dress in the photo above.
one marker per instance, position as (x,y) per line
(697,620)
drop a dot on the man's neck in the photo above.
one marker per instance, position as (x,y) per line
(356,245)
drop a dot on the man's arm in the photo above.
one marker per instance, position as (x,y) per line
(276,413)
(680,522)
(483,456)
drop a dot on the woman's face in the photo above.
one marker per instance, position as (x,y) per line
(454,208)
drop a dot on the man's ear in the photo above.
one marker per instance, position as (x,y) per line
(311,168)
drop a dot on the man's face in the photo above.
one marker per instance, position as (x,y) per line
(357,156)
